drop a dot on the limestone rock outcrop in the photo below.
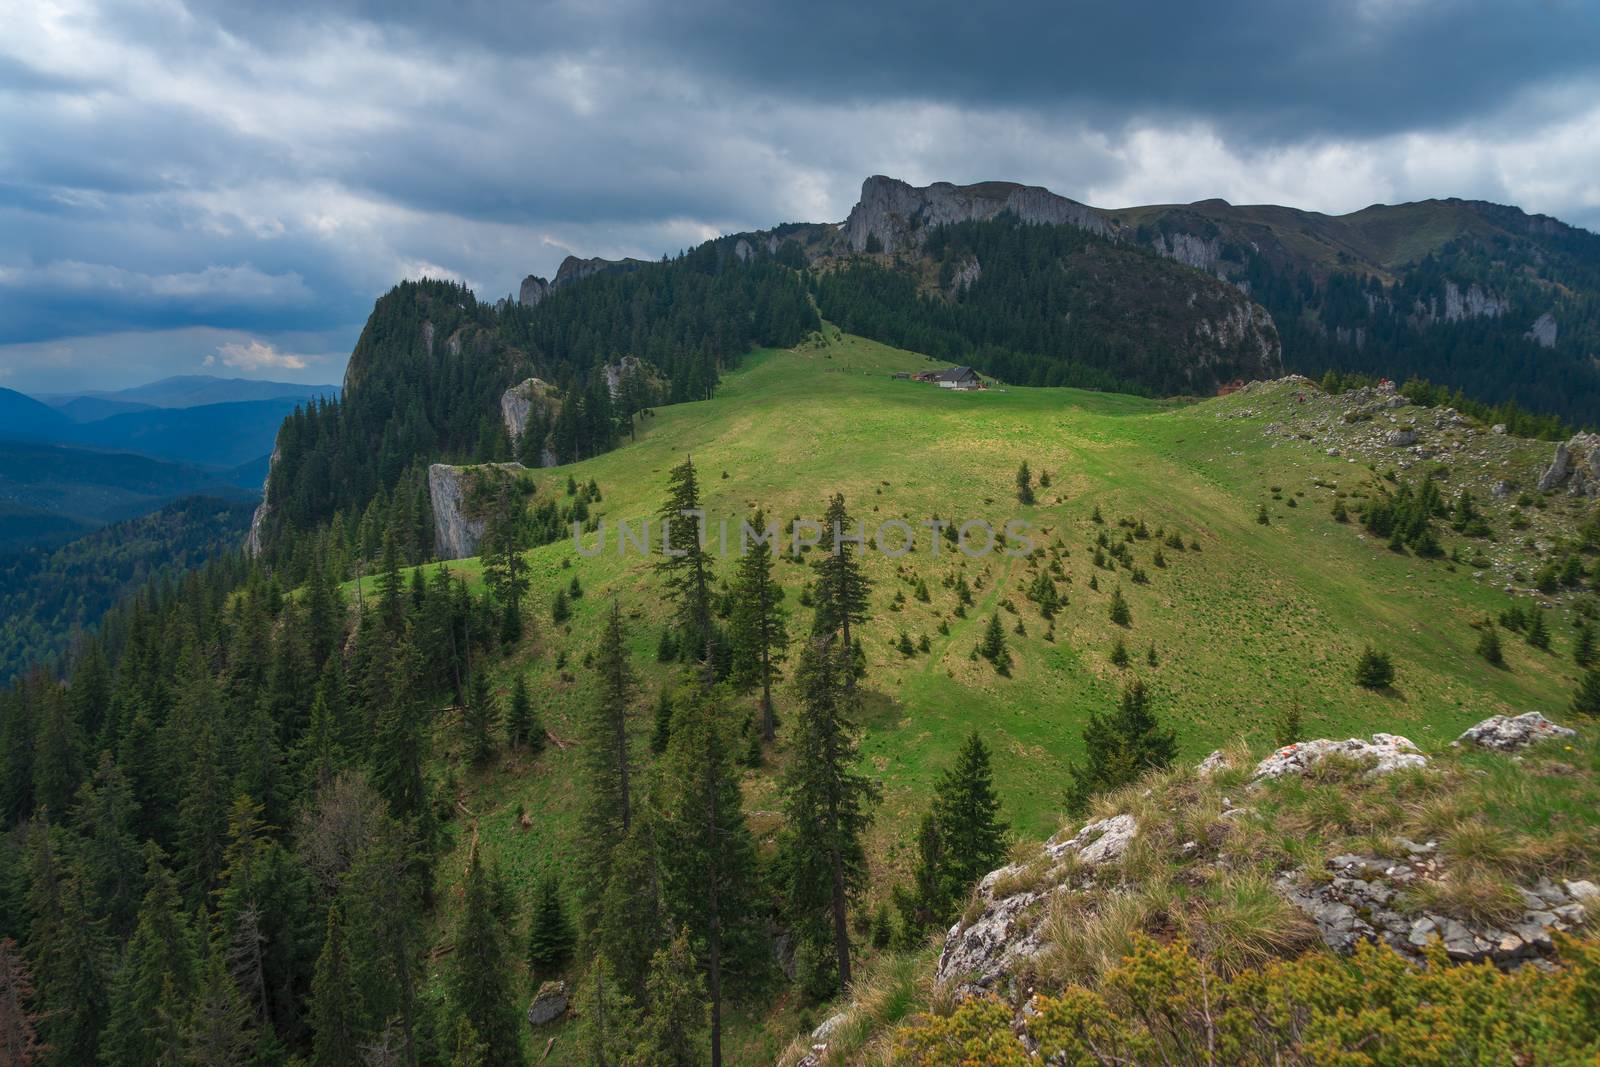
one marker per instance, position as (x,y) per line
(1507,733)
(1543,331)
(521,403)
(534,289)
(900,215)
(1385,753)
(457,526)
(1576,464)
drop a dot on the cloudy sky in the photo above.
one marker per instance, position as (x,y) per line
(194,187)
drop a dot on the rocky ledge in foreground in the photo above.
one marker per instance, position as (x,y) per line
(1401,898)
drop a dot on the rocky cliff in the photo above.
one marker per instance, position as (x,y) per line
(458,523)
(258,520)
(899,214)
(532,398)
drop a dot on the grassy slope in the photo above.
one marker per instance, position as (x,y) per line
(1260,617)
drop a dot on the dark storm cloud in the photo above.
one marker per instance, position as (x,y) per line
(273,167)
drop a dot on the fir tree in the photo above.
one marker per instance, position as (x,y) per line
(480,986)
(1538,635)
(1120,613)
(1024,485)
(606,766)
(971,834)
(606,1018)
(684,565)
(334,1009)
(760,635)
(1374,670)
(993,647)
(480,718)
(673,1030)
(550,934)
(841,585)
(1489,645)
(1586,701)
(1120,747)
(708,856)
(1583,645)
(827,803)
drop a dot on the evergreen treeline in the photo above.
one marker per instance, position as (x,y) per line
(426,377)
(1053,305)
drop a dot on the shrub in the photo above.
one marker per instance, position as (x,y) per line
(1374,670)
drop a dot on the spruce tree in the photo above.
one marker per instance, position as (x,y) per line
(1583,645)
(968,816)
(1024,484)
(708,856)
(1538,635)
(480,974)
(1119,748)
(523,725)
(684,564)
(505,569)
(631,922)
(399,747)
(827,803)
(607,1024)
(160,961)
(550,934)
(218,1028)
(334,1009)
(19,1022)
(760,636)
(1120,613)
(993,647)
(1489,645)
(841,585)
(672,1032)
(1586,701)
(1374,669)
(479,718)
(606,766)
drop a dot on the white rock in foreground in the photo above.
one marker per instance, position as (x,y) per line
(1506,733)
(1386,753)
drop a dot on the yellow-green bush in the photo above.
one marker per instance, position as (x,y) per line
(1162,1006)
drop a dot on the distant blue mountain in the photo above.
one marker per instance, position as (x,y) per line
(194,390)
(213,435)
(23,417)
(91,408)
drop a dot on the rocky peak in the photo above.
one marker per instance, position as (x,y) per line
(534,289)
(899,214)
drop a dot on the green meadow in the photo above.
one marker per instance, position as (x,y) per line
(1246,621)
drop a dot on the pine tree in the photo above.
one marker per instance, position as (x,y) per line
(673,1030)
(334,1009)
(841,585)
(550,934)
(1120,613)
(480,718)
(708,856)
(1120,747)
(684,565)
(827,803)
(480,986)
(606,766)
(1586,701)
(1024,484)
(760,635)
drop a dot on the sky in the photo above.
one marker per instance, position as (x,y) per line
(225,187)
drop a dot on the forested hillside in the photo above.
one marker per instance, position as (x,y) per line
(425,379)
